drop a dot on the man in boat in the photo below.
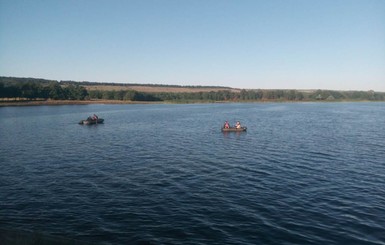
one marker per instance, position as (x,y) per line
(94,117)
(227,125)
(238,124)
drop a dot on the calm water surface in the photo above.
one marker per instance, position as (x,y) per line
(307,173)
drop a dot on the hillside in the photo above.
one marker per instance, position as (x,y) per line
(148,88)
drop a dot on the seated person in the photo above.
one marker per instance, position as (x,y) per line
(238,125)
(227,125)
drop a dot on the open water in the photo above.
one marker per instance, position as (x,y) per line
(303,173)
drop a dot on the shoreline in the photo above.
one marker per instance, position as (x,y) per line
(69,102)
(121,102)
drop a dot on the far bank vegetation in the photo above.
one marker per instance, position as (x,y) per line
(19,89)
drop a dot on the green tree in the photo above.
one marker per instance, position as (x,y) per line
(75,92)
(56,92)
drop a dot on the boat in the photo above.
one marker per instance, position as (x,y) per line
(234,129)
(90,121)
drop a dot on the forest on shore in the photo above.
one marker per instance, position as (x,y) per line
(33,89)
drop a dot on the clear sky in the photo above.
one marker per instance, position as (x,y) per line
(284,44)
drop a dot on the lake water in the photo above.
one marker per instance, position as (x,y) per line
(303,173)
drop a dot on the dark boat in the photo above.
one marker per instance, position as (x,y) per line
(234,129)
(90,121)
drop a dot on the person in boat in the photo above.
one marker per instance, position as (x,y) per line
(226,125)
(94,117)
(238,125)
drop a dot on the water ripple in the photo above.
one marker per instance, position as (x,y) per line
(308,173)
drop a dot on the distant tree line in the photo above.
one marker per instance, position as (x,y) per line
(275,95)
(243,95)
(129,95)
(34,89)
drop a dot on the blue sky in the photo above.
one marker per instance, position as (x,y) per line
(269,44)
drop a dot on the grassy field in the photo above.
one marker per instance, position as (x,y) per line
(157,89)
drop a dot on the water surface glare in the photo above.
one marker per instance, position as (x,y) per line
(303,173)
